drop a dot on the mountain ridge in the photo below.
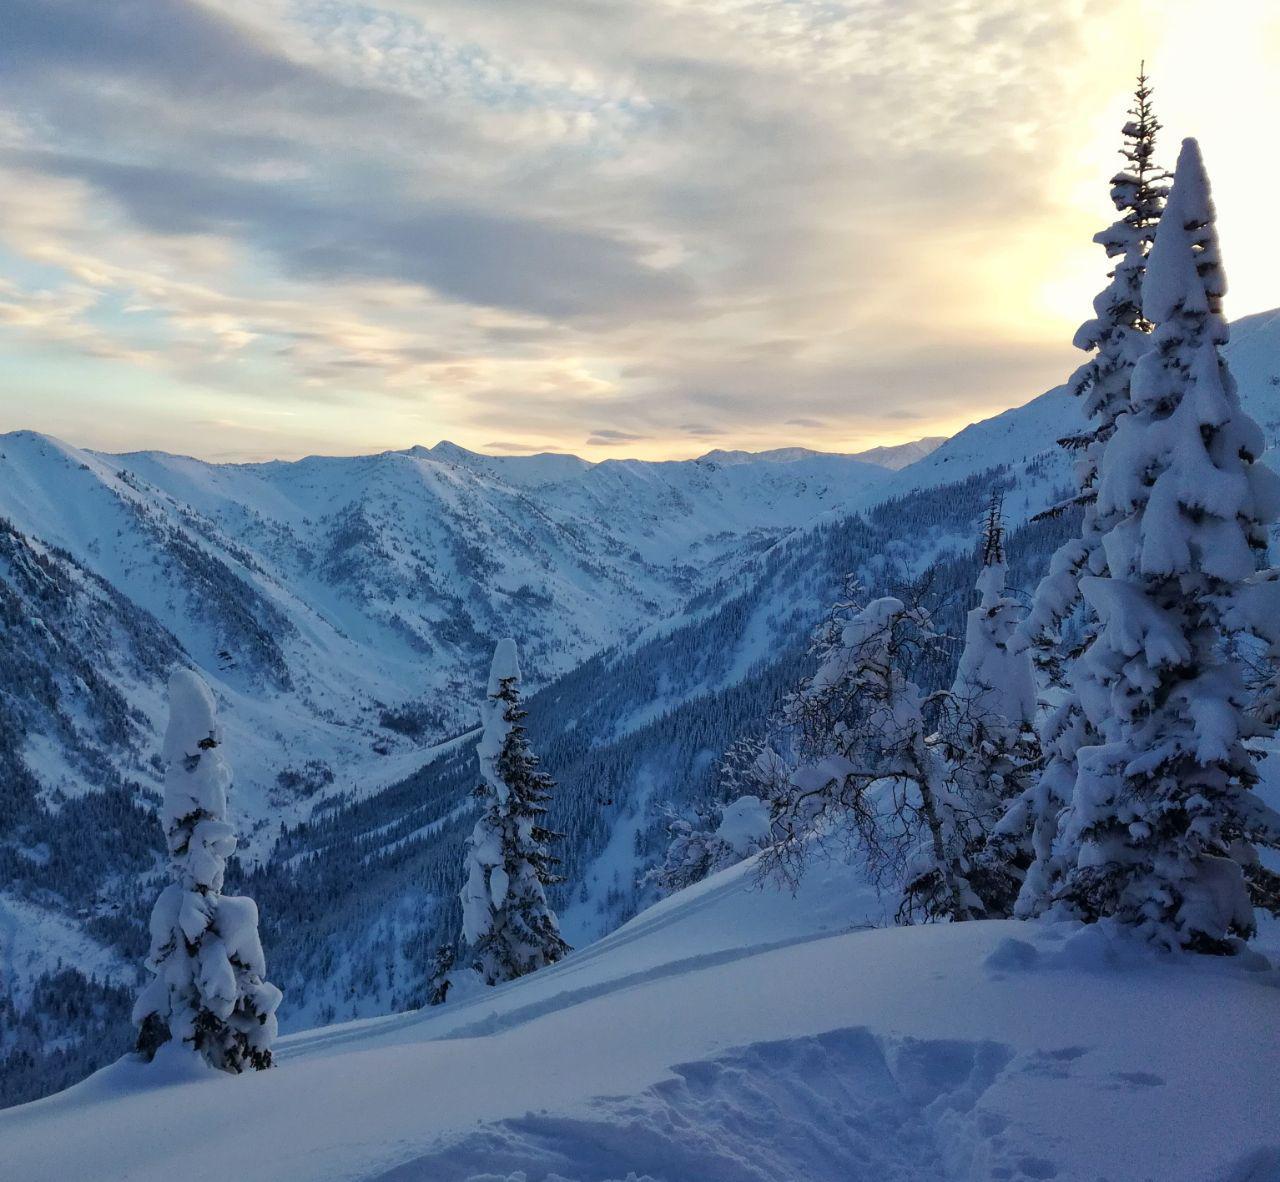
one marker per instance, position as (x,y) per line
(892,456)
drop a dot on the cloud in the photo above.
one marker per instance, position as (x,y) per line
(608,438)
(507,261)
(815,424)
(183,50)
(503,445)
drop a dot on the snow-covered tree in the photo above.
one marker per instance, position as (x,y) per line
(865,768)
(1162,806)
(1117,336)
(439,984)
(994,681)
(718,836)
(694,851)
(507,922)
(207,989)
(987,731)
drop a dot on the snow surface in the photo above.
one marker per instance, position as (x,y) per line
(736,1034)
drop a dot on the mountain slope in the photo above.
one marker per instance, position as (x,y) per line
(736,1034)
(1027,434)
(899,455)
(341,610)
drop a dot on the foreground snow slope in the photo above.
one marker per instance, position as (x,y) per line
(733,1034)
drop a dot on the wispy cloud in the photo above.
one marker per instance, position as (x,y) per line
(507,445)
(701,430)
(606,437)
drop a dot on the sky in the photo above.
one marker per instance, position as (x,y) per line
(249,229)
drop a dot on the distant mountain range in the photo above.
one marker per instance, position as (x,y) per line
(892,457)
(345,604)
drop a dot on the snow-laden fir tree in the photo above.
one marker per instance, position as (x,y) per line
(987,728)
(1162,807)
(865,769)
(508,924)
(994,683)
(439,983)
(207,988)
(1118,336)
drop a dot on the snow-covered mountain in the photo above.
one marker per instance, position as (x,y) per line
(735,1033)
(899,455)
(893,456)
(344,609)
(1024,436)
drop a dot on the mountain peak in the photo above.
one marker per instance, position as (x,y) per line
(899,455)
(446,449)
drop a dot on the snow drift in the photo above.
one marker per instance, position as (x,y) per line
(737,1034)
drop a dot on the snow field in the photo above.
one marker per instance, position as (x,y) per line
(737,1033)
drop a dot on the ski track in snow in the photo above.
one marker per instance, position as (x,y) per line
(843,1106)
(446,1022)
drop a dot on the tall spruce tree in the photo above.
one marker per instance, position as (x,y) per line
(1118,336)
(507,921)
(1162,810)
(994,681)
(987,728)
(207,989)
